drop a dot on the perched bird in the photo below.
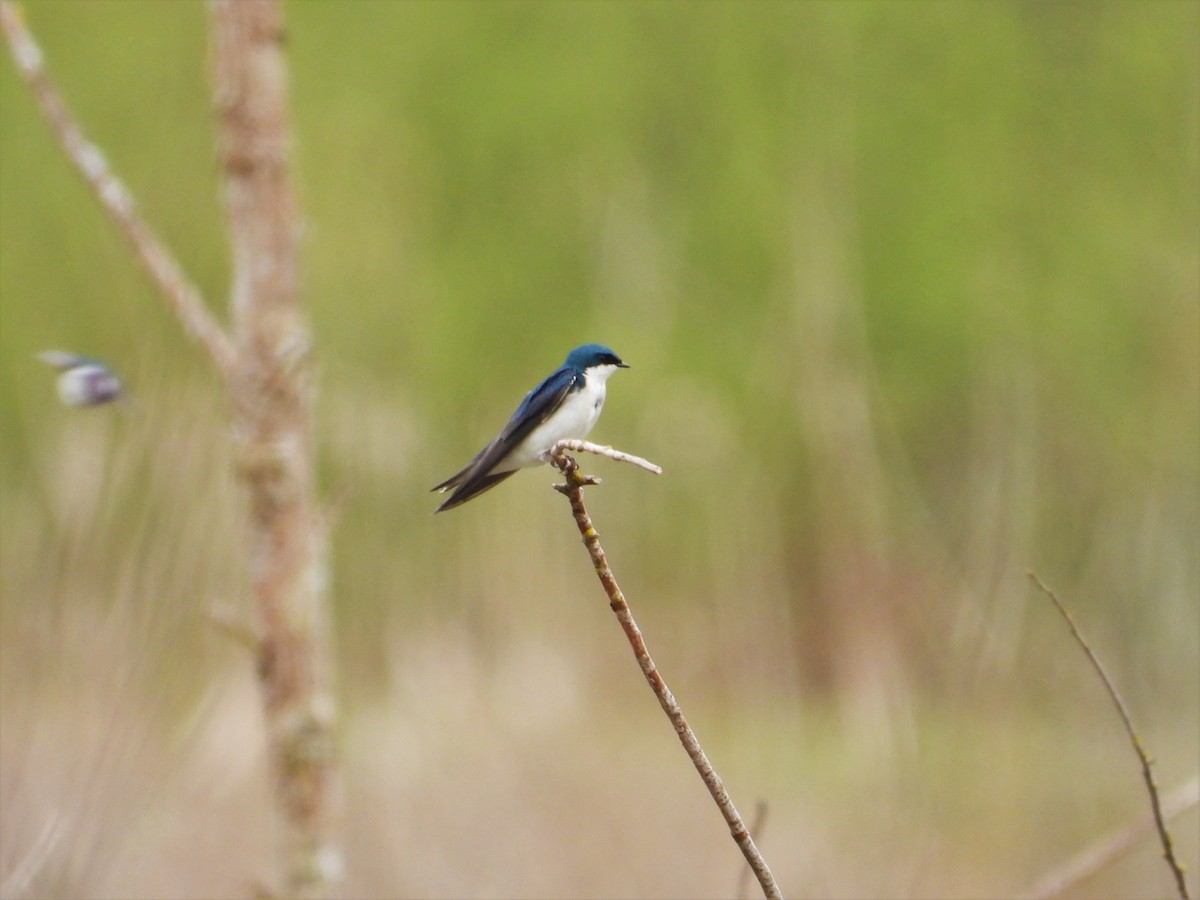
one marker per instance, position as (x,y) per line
(563,407)
(83,381)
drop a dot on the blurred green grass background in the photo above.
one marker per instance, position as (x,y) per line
(911,292)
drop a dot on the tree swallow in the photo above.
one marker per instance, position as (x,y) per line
(563,407)
(83,381)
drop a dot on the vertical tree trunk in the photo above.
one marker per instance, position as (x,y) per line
(272,395)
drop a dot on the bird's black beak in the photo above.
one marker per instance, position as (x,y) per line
(622,365)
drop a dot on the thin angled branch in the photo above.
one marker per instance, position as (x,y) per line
(181,295)
(1105,849)
(573,490)
(1144,757)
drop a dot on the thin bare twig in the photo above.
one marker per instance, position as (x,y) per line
(1144,757)
(573,490)
(183,297)
(1105,849)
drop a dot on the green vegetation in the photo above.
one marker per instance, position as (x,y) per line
(911,292)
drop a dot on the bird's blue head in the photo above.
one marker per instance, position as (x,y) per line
(591,355)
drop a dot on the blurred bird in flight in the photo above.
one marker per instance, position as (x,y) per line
(83,381)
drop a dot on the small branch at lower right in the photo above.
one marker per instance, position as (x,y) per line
(1156,808)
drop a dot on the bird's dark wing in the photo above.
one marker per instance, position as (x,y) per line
(473,488)
(476,477)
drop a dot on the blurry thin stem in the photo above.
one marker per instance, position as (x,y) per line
(224,617)
(23,875)
(573,489)
(1144,757)
(1101,852)
(183,297)
(756,829)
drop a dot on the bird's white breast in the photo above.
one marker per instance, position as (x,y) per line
(573,420)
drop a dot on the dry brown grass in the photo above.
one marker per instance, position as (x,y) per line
(489,754)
